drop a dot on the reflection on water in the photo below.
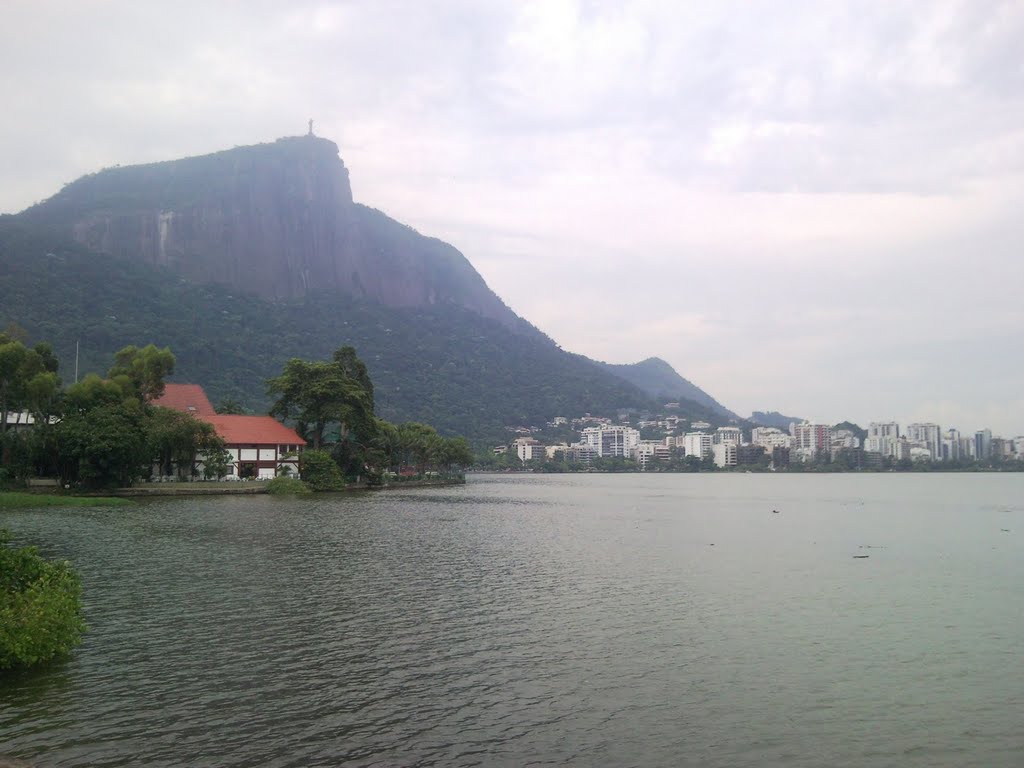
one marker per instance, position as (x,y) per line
(581,620)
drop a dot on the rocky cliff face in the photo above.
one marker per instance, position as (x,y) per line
(276,220)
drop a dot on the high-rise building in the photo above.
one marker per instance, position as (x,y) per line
(727,435)
(882,437)
(951,445)
(697,444)
(928,436)
(611,440)
(724,454)
(983,444)
(809,439)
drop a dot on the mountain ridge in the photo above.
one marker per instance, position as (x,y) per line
(660,380)
(413,305)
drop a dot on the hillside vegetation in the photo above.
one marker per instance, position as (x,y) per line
(243,259)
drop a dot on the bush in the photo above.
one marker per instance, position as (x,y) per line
(320,471)
(40,607)
(284,485)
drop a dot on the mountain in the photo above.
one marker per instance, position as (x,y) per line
(774,419)
(659,380)
(275,220)
(242,259)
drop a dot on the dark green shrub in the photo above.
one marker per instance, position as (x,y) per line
(319,470)
(40,607)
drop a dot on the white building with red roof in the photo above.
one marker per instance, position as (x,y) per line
(260,446)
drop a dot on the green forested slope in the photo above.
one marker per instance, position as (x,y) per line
(444,365)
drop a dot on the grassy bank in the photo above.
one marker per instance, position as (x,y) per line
(14,500)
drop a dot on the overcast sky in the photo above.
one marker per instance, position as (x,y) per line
(812,207)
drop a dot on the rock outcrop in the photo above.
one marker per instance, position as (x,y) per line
(276,220)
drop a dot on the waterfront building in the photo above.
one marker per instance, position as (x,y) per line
(927,436)
(528,448)
(843,440)
(1018,447)
(727,435)
(983,444)
(582,453)
(882,437)
(611,440)
(809,439)
(652,450)
(697,444)
(770,437)
(724,454)
(951,445)
(260,447)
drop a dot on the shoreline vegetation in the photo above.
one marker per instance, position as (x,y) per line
(40,607)
(114,436)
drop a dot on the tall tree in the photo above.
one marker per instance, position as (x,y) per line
(355,368)
(316,395)
(144,368)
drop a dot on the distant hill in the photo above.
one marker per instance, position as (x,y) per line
(659,380)
(242,259)
(774,419)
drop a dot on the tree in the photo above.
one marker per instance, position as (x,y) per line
(419,444)
(455,452)
(354,368)
(40,607)
(230,406)
(386,444)
(216,462)
(104,446)
(175,439)
(20,365)
(315,395)
(145,369)
(94,392)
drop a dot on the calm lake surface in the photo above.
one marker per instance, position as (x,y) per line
(631,620)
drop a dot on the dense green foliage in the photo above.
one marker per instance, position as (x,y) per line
(320,471)
(40,607)
(331,404)
(282,485)
(443,364)
(317,395)
(97,432)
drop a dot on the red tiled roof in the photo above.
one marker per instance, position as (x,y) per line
(187,398)
(254,430)
(234,430)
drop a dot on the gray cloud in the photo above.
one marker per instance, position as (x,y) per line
(804,206)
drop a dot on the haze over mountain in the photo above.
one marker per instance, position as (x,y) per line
(243,258)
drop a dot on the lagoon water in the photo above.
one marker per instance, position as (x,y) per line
(587,620)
